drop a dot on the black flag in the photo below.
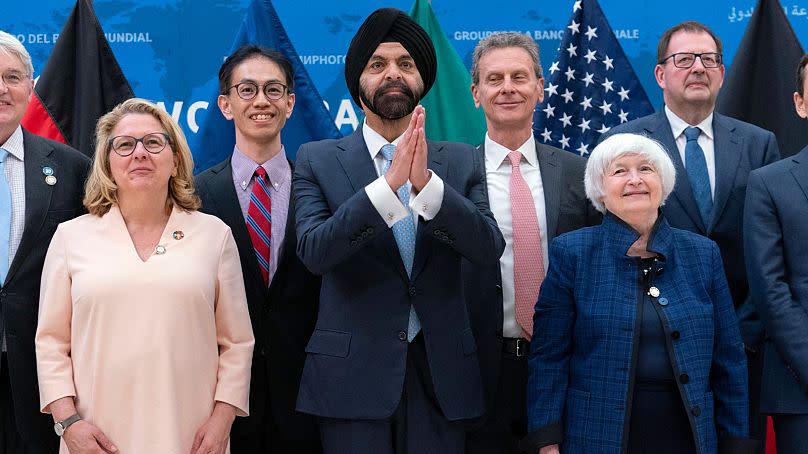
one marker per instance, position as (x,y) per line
(760,84)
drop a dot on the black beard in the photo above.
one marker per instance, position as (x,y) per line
(390,107)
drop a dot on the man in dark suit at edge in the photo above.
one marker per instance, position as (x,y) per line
(251,192)
(42,185)
(386,216)
(713,155)
(536,193)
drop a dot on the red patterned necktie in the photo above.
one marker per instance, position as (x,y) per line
(528,263)
(259,221)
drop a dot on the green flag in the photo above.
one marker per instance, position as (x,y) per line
(450,111)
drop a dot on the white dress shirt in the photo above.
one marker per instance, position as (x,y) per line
(426,203)
(706,141)
(498,177)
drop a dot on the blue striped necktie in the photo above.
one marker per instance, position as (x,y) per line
(404,232)
(696,167)
(5,217)
(259,221)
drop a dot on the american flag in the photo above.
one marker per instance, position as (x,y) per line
(591,87)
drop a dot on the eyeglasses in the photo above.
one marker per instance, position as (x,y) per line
(249,90)
(14,78)
(687,59)
(154,143)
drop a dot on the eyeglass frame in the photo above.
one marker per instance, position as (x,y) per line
(260,88)
(23,78)
(719,59)
(139,140)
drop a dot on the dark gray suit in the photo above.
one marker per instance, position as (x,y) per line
(776,246)
(566,209)
(45,207)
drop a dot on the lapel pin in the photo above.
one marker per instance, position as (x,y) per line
(178,235)
(653,291)
(47,170)
(50,180)
(160,249)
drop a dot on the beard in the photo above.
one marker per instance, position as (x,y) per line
(391,106)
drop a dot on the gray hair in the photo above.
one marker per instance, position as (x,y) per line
(12,46)
(620,145)
(502,40)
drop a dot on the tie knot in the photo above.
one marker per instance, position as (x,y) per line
(515,157)
(692,133)
(387,151)
(260,172)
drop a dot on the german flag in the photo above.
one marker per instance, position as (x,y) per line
(81,82)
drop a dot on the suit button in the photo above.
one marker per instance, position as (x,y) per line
(695,411)
(370,230)
(684,378)
(412,291)
(264,351)
(675,335)
(402,336)
(499,289)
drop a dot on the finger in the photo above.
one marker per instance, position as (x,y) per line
(104,442)
(197,442)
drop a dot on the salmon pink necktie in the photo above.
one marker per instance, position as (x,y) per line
(528,263)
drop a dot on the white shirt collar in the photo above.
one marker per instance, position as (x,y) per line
(375,141)
(678,125)
(495,153)
(14,145)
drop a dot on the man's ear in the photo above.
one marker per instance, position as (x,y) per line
(224,105)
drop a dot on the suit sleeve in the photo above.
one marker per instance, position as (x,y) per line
(550,350)
(728,375)
(784,317)
(233,330)
(326,238)
(465,222)
(54,365)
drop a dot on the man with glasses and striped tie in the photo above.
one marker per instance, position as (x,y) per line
(713,155)
(251,192)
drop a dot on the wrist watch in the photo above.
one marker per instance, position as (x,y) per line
(61,426)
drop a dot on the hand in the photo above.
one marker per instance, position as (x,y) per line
(552,449)
(399,171)
(213,436)
(419,175)
(84,438)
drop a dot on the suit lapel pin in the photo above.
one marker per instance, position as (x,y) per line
(653,291)
(178,235)
(50,180)
(160,249)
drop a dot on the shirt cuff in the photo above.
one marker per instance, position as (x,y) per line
(428,202)
(386,201)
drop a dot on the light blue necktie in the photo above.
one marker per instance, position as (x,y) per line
(404,232)
(5,217)
(696,167)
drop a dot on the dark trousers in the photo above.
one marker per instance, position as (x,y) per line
(792,433)
(417,426)
(506,424)
(10,440)
(757,421)
(658,422)
(259,432)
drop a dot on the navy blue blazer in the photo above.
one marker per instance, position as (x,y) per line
(776,243)
(585,335)
(739,148)
(357,353)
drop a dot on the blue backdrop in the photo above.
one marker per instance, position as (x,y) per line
(171,50)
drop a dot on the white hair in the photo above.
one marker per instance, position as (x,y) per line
(620,145)
(12,46)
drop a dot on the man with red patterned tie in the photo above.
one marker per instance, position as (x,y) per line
(251,192)
(536,192)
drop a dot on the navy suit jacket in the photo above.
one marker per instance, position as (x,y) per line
(357,353)
(566,209)
(282,315)
(586,331)
(45,207)
(776,243)
(739,148)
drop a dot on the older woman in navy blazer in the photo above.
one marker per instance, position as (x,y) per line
(635,344)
